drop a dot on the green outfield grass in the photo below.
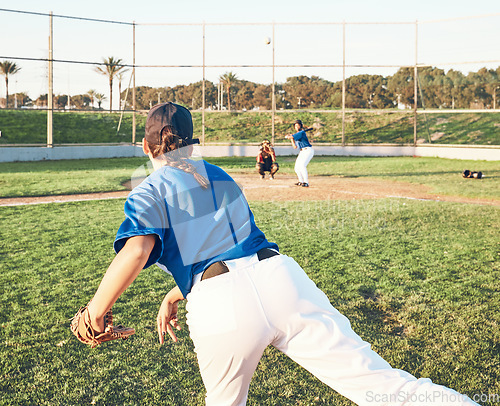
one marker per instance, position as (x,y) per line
(419,280)
(67,176)
(442,176)
(387,126)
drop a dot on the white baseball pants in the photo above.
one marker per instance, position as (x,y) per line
(233,317)
(305,155)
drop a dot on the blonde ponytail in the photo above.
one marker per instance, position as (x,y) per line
(176,154)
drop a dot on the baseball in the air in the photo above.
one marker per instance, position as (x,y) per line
(268,40)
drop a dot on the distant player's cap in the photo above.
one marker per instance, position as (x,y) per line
(298,122)
(171,115)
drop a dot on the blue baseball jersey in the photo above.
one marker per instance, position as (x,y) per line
(301,139)
(195,227)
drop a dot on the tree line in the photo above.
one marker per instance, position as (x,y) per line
(436,89)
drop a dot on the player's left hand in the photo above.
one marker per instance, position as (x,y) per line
(167,320)
(81,327)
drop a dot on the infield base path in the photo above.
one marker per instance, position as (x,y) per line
(283,189)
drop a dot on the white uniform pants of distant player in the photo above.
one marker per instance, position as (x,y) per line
(233,317)
(305,155)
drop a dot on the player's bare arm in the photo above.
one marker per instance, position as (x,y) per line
(290,137)
(122,271)
(167,315)
(273,154)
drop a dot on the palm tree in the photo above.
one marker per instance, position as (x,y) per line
(92,93)
(111,68)
(99,97)
(8,68)
(228,79)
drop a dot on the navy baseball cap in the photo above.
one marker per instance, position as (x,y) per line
(172,115)
(298,122)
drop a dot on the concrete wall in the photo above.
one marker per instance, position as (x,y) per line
(13,154)
(459,152)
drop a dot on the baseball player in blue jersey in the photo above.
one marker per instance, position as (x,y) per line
(191,219)
(299,140)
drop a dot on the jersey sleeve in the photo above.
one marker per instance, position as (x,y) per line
(298,135)
(144,214)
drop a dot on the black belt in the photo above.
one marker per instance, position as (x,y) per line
(218,268)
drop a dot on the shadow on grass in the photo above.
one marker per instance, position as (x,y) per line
(379,319)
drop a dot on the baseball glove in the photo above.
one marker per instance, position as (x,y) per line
(82,329)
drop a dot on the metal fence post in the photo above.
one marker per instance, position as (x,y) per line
(343,83)
(133,84)
(273,100)
(50,94)
(415,85)
(203,93)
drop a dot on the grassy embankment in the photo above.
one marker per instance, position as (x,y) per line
(29,127)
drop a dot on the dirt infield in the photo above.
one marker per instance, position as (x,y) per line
(337,188)
(283,189)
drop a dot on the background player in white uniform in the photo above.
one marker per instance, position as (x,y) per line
(191,219)
(300,140)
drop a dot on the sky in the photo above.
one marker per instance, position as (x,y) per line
(446,38)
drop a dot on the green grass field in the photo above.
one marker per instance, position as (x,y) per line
(101,175)
(391,126)
(419,280)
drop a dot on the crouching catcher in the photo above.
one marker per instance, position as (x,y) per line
(266,160)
